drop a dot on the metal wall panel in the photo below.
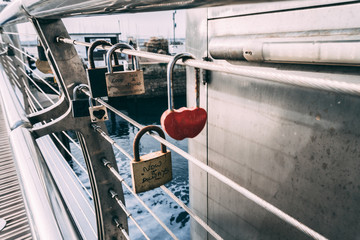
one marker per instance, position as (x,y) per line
(292,146)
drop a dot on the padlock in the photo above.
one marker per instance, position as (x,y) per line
(124,83)
(80,107)
(96,76)
(42,63)
(97,113)
(10,51)
(184,122)
(153,169)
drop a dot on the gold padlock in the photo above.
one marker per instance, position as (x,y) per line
(97,113)
(151,170)
(124,83)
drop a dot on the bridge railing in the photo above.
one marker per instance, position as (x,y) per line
(107,196)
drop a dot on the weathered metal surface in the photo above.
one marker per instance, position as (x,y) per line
(65,62)
(292,146)
(125,83)
(19,11)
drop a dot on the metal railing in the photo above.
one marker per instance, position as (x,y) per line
(18,73)
(35,104)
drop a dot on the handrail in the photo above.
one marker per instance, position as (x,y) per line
(19,11)
(271,75)
(50,220)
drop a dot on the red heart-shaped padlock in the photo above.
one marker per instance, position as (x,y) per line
(184,122)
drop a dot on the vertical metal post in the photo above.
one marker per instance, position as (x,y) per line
(14,40)
(69,71)
(174,24)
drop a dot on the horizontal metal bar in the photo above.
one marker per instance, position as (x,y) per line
(324,51)
(272,75)
(20,11)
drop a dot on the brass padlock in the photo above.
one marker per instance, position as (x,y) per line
(153,169)
(124,83)
(97,113)
(96,76)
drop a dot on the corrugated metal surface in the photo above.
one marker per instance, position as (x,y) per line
(12,207)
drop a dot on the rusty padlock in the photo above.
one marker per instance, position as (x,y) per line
(96,76)
(153,169)
(97,113)
(124,83)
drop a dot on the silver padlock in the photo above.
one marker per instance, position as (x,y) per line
(97,113)
(124,83)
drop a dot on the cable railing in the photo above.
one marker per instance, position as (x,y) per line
(271,75)
(246,193)
(323,84)
(33,102)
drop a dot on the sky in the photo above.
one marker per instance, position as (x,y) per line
(138,25)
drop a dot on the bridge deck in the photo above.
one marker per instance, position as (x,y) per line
(12,208)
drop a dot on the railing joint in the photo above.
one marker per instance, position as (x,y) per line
(106,162)
(113,194)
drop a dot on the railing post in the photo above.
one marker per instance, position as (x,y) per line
(69,71)
(22,79)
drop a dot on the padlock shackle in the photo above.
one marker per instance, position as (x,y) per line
(134,59)
(91,52)
(169,75)
(141,133)
(78,88)
(91,102)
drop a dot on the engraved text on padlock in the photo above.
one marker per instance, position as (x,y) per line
(151,170)
(124,83)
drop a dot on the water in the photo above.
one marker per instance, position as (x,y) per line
(148,112)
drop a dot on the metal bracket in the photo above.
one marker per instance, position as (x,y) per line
(53,112)
(69,71)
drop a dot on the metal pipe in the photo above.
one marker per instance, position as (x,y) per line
(20,10)
(272,75)
(287,50)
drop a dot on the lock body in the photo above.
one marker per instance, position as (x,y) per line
(97,82)
(125,83)
(80,108)
(152,171)
(98,113)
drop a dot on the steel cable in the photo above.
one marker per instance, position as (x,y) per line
(166,190)
(243,191)
(122,180)
(272,75)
